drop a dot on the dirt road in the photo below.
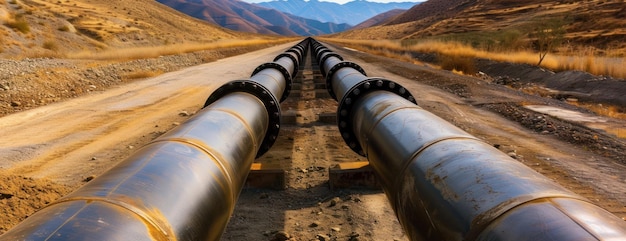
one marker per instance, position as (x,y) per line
(49,151)
(56,147)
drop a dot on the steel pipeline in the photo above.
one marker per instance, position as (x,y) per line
(445,184)
(183,185)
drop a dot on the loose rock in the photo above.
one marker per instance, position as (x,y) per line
(89,178)
(322,237)
(281,236)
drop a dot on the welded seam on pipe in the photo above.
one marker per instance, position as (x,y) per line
(369,132)
(115,202)
(481,221)
(357,92)
(159,226)
(477,229)
(66,221)
(408,161)
(558,207)
(271,104)
(350,74)
(216,159)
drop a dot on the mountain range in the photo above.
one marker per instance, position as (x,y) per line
(380,19)
(352,13)
(47,28)
(246,17)
(590,23)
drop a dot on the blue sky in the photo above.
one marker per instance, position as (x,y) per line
(344,1)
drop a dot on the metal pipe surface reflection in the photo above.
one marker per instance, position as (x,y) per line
(445,184)
(183,185)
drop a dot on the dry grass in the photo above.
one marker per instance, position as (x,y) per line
(50,45)
(588,62)
(603,109)
(460,64)
(156,51)
(18,23)
(607,110)
(406,57)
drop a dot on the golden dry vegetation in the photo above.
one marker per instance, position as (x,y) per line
(107,29)
(502,30)
(584,61)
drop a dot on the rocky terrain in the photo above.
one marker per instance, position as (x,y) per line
(28,83)
(45,168)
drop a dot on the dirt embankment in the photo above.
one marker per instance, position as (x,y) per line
(580,85)
(28,83)
(21,196)
(566,84)
(557,88)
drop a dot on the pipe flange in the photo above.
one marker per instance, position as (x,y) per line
(295,52)
(318,47)
(269,100)
(319,53)
(299,46)
(283,71)
(325,57)
(345,109)
(296,64)
(331,72)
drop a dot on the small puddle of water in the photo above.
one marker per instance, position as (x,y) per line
(591,121)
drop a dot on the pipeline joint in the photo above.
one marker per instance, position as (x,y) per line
(293,50)
(293,58)
(331,72)
(269,101)
(283,71)
(345,109)
(324,57)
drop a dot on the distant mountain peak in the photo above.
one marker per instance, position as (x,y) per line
(352,13)
(246,17)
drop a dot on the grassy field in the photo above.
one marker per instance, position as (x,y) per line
(585,61)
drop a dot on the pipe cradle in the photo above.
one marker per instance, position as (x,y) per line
(445,184)
(183,185)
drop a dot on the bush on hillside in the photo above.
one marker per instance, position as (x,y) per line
(458,63)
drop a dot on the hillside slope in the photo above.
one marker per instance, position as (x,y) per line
(380,19)
(596,23)
(241,16)
(49,27)
(352,13)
